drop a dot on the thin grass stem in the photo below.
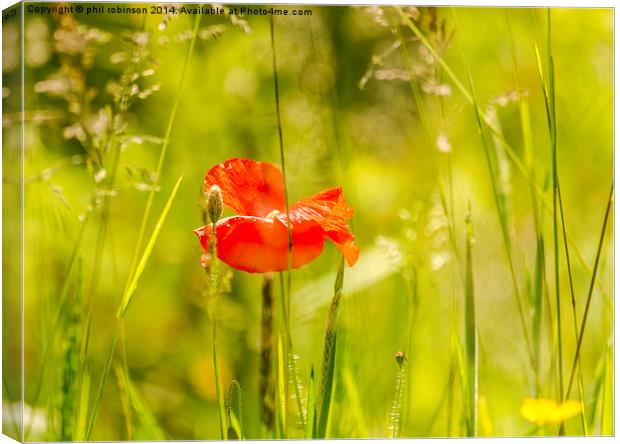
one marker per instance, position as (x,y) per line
(397,404)
(471,330)
(584,423)
(122,309)
(584,320)
(500,212)
(551,117)
(286,296)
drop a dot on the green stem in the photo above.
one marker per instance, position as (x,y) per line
(584,424)
(108,364)
(499,209)
(216,367)
(590,292)
(471,331)
(554,161)
(397,405)
(285,295)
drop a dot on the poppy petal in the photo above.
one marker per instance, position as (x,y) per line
(249,188)
(330,210)
(260,244)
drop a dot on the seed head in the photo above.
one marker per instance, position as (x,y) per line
(215,203)
(400,357)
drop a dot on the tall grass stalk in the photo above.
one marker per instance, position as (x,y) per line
(284,294)
(397,404)
(126,300)
(552,123)
(461,365)
(99,245)
(124,399)
(549,95)
(586,311)
(448,211)
(291,364)
(501,213)
(528,150)
(471,330)
(324,397)
(584,423)
(310,429)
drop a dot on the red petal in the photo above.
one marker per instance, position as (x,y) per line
(249,188)
(260,245)
(329,209)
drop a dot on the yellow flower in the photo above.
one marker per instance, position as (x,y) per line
(547,411)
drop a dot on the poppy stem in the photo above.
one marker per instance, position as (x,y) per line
(211,310)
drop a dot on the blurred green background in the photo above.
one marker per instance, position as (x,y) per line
(349,118)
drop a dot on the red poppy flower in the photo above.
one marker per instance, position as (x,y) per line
(257,239)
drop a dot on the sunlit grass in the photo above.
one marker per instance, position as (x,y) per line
(481,210)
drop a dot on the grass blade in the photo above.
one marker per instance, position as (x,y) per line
(82,407)
(503,219)
(124,400)
(133,283)
(144,415)
(329,355)
(584,423)
(590,292)
(471,331)
(234,411)
(310,429)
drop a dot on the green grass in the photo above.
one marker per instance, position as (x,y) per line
(436,127)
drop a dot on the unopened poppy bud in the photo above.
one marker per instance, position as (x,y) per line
(215,203)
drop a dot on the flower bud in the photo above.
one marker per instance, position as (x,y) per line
(215,203)
(400,358)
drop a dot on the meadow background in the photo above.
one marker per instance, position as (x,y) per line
(364,104)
